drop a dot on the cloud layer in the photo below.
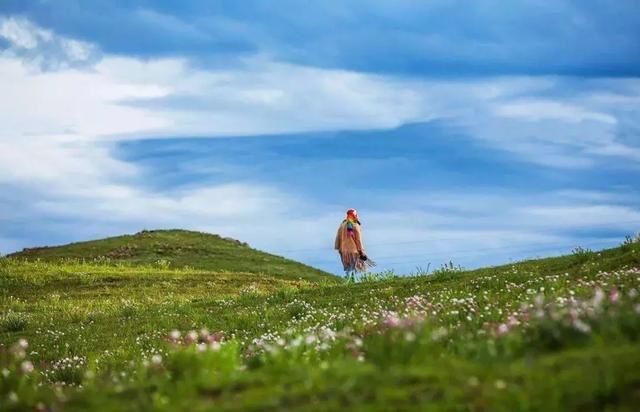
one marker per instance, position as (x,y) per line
(444,37)
(70,107)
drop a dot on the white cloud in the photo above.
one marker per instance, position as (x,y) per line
(79,104)
(534,110)
(121,203)
(60,164)
(264,97)
(22,34)
(43,47)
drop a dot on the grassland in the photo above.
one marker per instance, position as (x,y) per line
(551,334)
(177,249)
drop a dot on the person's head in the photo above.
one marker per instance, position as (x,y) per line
(352,214)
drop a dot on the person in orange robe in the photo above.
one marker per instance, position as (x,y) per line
(349,245)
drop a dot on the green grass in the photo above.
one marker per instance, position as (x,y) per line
(552,334)
(177,249)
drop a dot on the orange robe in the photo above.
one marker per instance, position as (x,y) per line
(350,248)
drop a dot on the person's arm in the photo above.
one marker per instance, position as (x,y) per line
(357,237)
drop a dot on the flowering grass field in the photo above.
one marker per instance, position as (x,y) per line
(552,334)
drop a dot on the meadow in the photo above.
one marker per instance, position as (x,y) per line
(551,334)
(178,249)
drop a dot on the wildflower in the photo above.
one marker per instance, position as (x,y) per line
(214,346)
(22,343)
(26,367)
(204,333)
(581,326)
(156,359)
(614,295)
(573,314)
(192,336)
(632,293)
(502,329)
(215,337)
(413,302)
(18,351)
(598,297)
(391,320)
(439,333)
(539,300)
(174,335)
(5,372)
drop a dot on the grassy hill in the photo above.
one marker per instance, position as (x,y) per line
(178,248)
(556,334)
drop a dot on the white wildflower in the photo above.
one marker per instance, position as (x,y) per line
(26,367)
(156,359)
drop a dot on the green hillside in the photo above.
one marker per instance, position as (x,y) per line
(178,248)
(556,334)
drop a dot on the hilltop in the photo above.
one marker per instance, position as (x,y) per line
(555,334)
(178,248)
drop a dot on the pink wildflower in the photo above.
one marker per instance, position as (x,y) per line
(192,336)
(413,302)
(614,295)
(391,320)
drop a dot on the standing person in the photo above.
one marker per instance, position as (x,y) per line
(349,245)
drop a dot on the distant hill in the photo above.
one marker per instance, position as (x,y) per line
(181,248)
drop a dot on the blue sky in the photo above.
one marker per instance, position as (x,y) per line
(479,132)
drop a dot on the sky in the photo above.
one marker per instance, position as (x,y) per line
(478,132)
